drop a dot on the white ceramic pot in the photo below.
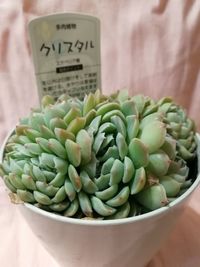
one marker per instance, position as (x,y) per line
(113,243)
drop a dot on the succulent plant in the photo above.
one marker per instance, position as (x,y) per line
(103,157)
(178,124)
(180,127)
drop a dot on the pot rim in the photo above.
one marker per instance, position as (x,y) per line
(91,222)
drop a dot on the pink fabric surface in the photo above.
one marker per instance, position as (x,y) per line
(150,47)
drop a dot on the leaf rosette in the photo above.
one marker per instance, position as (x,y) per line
(103,157)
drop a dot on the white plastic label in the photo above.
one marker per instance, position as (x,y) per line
(66,54)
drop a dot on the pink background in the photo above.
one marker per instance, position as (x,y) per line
(150,47)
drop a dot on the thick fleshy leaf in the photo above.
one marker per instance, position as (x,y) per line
(122,212)
(61,165)
(49,175)
(138,153)
(42,198)
(45,132)
(90,168)
(139,101)
(185,154)
(60,195)
(94,125)
(138,182)
(150,109)
(153,135)
(59,207)
(107,107)
(119,124)
(5,168)
(159,163)
(76,125)
(101,208)
(47,100)
(128,107)
(73,152)
(85,204)
(72,209)
(47,160)
(107,127)
(108,141)
(58,180)
(178,177)
(46,189)
(129,170)
(88,103)
(174,167)
(16,181)
(9,184)
(87,184)
(107,117)
(99,97)
(71,115)
(57,123)
(132,126)
(21,129)
(172,187)
(90,116)
(74,178)
(107,193)
(122,95)
(106,167)
(26,196)
(51,112)
(28,181)
(57,148)
(98,141)
(15,168)
(62,135)
(69,189)
(173,117)
(33,148)
(85,142)
(22,139)
(153,197)
(156,116)
(32,134)
(36,120)
(111,152)
(169,147)
(43,144)
(120,198)
(117,172)
(121,145)
(103,181)
(164,100)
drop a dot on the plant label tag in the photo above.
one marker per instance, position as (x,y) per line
(66,54)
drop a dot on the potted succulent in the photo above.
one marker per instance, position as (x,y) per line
(103,180)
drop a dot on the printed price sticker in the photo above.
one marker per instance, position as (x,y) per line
(66,54)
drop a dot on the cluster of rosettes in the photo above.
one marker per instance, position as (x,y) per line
(103,157)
